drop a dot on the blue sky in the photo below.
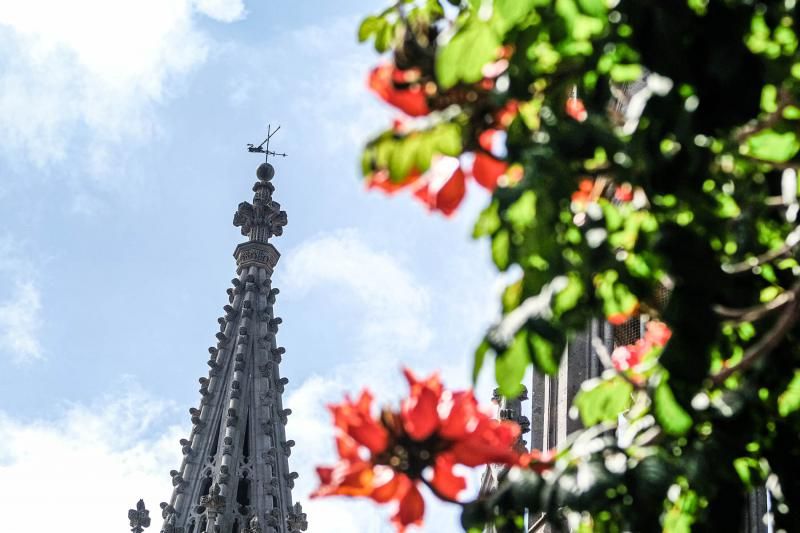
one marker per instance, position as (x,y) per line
(123,128)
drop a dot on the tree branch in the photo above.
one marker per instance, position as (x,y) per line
(765,344)
(784,100)
(792,240)
(756,312)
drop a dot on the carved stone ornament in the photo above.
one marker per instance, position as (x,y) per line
(139,517)
(297,520)
(265,213)
(255,526)
(256,253)
(214,502)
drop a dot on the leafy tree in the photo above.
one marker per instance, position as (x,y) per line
(642,158)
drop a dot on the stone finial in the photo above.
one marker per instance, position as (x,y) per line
(262,219)
(139,517)
(297,520)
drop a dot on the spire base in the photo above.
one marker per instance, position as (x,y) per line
(256,254)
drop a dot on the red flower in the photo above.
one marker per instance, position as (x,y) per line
(656,336)
(625,357)
(385,459)
(400,88)
(657,333)
(382,180)
(584,194)
(575,109)
(538,460)
(445,188)
(619,318)
(623,193)
(507,114)
(487,170)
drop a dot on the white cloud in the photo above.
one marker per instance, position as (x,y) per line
(358,113)
(19,323)
(20,304)
(222,10)
(395,307)
(87,467)
(93,71)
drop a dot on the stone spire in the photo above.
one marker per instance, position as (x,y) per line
(235,476)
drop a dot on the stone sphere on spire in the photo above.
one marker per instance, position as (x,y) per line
(265,172)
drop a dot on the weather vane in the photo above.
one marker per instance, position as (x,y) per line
(261,149)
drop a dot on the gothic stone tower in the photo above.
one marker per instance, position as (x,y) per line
(235,477)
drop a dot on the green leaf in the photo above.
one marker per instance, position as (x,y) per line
(789,401)
(791,112)
(625,73)
(402,159)
(463,57)
(673,419)
(384,37)
(769,293)
(770,145)
(369,26)
(569,297)
(596,8)
(488,221)
(546,354)
(448,139)
(512,296)
(603,400)
(522,213)
(510,366)
(510,12)
(501,244)
(769,98)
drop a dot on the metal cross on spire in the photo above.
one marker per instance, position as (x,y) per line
(261,149)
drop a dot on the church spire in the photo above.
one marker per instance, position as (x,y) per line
(235,476)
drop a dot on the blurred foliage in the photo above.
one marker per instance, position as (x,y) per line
(656,147)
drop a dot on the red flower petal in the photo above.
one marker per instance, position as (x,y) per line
(619,318)
(411,508)
(448,197)
(491,442)
(487,170)
(419,412)
(623,193)
(444,480)
(354,419)
(506,115)
(446,186)
(537,460)
(400,89)
(382,181)
(576,109)
(462,417)
(345,479)
(657,333)
(389,490)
